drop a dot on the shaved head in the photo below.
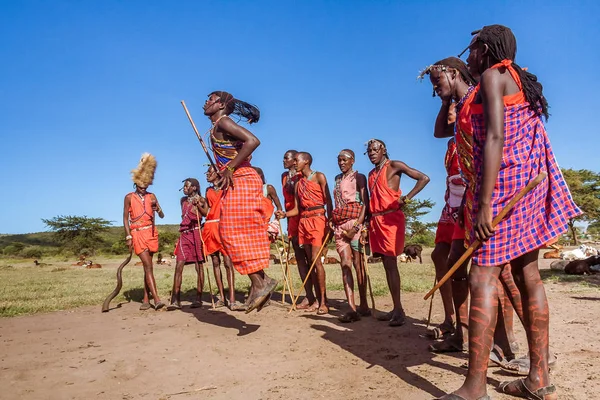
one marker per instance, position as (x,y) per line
(305,156)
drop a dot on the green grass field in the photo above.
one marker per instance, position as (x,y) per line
(27,289)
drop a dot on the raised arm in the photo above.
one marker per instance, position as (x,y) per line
(421,178)
(156,207)
(444,123)
(249,144)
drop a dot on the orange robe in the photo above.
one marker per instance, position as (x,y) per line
(210,231)
(387,226)
(141,224)
(288,198)
(312,225)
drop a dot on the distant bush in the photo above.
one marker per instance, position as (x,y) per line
(166,240)
(119,247)
(32,252)
(13,249)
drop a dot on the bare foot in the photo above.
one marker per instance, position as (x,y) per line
(323,310)
(304,304)
(313,307)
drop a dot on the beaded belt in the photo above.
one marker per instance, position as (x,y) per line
(310,215)
(142,228)
(211,220)
(190,230)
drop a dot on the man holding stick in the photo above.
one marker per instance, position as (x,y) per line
(510,150)
(189,247)
(312,196)
(242,226)
(289,179)
(387,224)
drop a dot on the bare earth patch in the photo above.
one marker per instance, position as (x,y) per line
(130,354)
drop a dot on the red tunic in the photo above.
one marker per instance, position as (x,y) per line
(189,246)
(210,230)
(312,225)
(387,226)
(455,187)
(242,227)
(288,198)
(141,223)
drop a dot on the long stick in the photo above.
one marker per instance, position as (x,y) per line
(366,264)
(310,270)
(106,304)
(212,300)
(536,181)
(199,137)
(286,273)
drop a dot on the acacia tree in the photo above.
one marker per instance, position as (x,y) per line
(77,233)
(585,188)
(418,231)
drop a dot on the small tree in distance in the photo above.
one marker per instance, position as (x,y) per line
(77,233)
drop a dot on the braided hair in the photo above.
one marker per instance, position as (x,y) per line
(461,67)
(238,107)
(502,45)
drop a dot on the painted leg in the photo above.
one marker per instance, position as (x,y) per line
(484,285)
(536,317)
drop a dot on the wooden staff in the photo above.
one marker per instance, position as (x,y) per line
(106,304)
(199,137)
(366,265)
(536,181)
(310,270)
(286,276)
(200,235)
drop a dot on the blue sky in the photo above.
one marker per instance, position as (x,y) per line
(87,87)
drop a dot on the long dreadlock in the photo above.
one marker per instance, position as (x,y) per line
(238,107)
(502,45)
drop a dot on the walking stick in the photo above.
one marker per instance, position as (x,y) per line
(366,264)
(286,272)
(536,181)
(310,270)
(207,273)
(199,137)
(106,304)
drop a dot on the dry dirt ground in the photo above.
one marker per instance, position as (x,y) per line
(193,354)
